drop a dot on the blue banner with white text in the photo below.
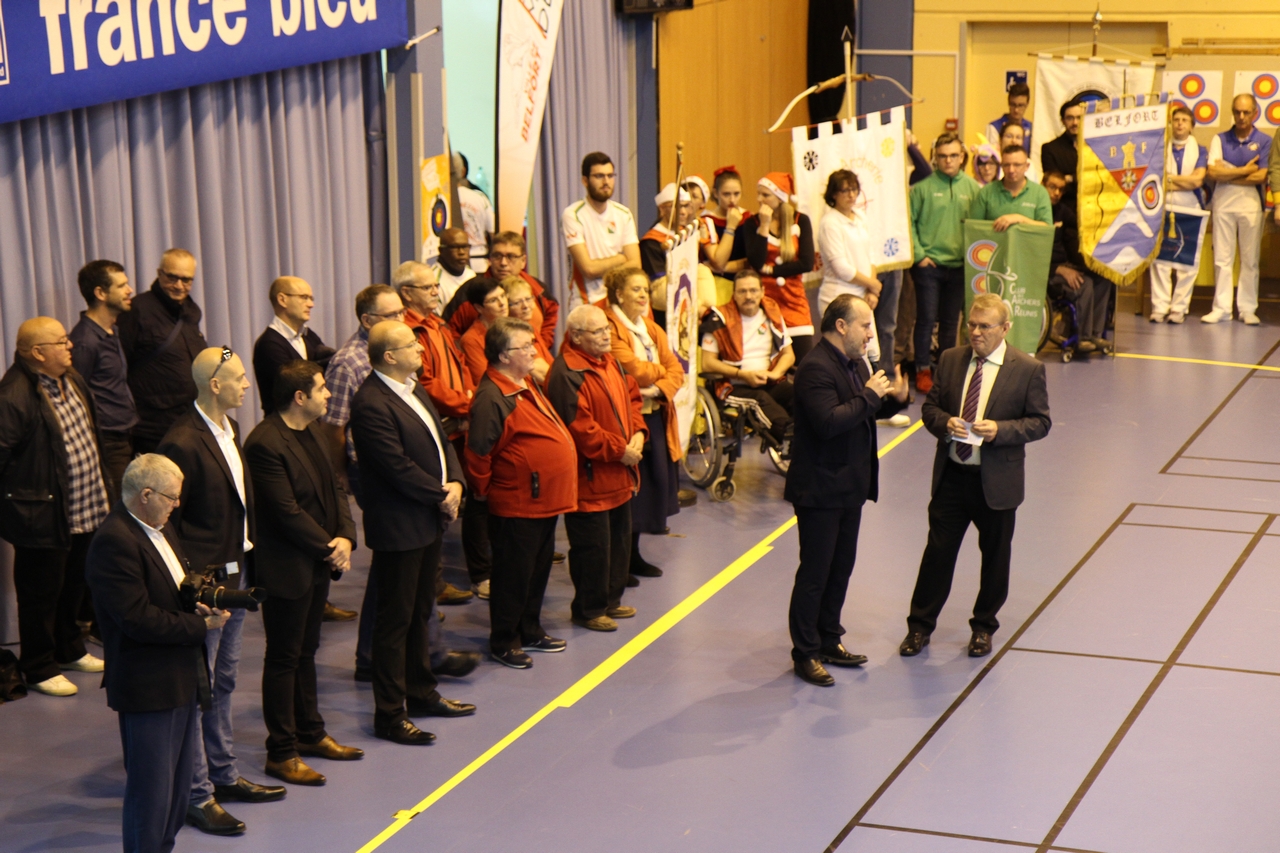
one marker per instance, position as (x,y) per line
(58,55)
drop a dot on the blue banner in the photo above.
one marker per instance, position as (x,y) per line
(58,55)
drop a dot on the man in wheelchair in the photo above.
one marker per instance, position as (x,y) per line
(745,341)
(1070,279)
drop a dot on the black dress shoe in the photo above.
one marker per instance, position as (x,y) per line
(405,732)
(840,656)
(329,748)
(247,792)
(441,708)
(632,581)
(814,672)
(979,644)
(644,569)
(213,819)
(457,664)
(913,644)
(337,614)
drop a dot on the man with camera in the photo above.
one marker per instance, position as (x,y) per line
(214,523)
(156,670)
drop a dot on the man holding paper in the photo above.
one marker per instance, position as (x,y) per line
(987,402)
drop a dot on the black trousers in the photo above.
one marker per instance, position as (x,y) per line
(475,532)
(116,450)
(49,583)
(828,548)
(522,549)
(159,758)
(958,503)
(599,559)
(289,705)
(401,655)
(775,401)
(1091,300)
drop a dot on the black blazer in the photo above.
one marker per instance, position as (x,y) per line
(400,478)
(210,519)
(272,352)
(154,651)
(833,453)
(300,509)
(1018,403)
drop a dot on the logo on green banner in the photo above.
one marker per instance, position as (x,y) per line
(1014,265)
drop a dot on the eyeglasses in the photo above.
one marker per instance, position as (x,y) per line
(226,356)
(529,347)
(185,279)
(172,498)
(504,256)
(847,191)
(520,303)
(594,331)
(390,315)
(61,343)
(495,300)
(305,297)
(426,287)
(983,327)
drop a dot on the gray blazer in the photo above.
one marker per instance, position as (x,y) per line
(1018,403)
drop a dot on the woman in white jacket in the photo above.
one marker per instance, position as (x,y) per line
(845,247)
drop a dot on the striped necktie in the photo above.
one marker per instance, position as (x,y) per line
(970,413)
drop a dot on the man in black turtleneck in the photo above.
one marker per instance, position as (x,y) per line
(161,338)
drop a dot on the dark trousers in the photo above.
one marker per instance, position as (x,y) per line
(939,299)
(828,548)
(522,549)
(475,531)
(886,312)
(49,583)
(401,654)
(289,706)
(116,450)
(959,502)
(159,754)
(599,559)
(775,401)
(1091,300)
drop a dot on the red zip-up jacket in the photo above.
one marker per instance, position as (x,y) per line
(444,373)
(546,311)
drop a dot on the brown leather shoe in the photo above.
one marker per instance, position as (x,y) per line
(337,614)
(331,749)
(452,595)
(294,772)
(622,611)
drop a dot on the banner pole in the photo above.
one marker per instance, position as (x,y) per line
(675,205)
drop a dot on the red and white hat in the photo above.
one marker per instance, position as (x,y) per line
(668,194)
(778,183)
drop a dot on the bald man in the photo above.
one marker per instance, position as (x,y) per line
(55,497)
(453,270)
(214,522)
(287,337)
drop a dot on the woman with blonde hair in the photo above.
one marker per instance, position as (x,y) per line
(522,305)
(780,247)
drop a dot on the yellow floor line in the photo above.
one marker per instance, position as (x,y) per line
(609,666)
(1197,361)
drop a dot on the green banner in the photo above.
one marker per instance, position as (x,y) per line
(1013,264)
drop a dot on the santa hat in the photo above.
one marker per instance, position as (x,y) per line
(668,195)
(778,183)
(700,184)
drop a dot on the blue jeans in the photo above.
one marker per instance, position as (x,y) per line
(158,753)
(939,299)
(215,763)
(887,316)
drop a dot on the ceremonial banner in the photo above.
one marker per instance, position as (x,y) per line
(1014,265)
(682,325)
(527,31)
(1183,237)
(1121,186)
(1265,86)
(435,205)
(1198,91)
(1060,80)
(57,55)
(877,155)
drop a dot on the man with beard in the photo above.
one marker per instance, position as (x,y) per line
(600,234)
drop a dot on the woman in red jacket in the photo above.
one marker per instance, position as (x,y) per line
(780,248)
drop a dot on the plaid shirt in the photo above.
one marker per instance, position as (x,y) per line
(87,504)
(347,371)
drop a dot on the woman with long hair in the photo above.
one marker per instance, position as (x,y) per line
(845,245)
(726,252)
(986,164)
(780,248)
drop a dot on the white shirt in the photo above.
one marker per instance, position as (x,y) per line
(845,245)
(226,439)
(990,369)
(405,391)
(604,235)
(449,283)
(294,338)
(1228,197)
(477,220)
(757,343)
(171,561)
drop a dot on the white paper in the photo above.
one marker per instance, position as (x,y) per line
(972,438)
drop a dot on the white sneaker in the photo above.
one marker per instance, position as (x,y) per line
(1250,318)
(1157,318)
(1177,317)
(56,686)
(88,663)
(898,421)
(481,590)
(1215,316)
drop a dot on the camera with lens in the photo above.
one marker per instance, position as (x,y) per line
(210,589)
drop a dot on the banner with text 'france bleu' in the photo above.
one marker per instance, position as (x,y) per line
(59,55)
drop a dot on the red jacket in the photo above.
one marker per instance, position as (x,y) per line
(724,323)
(472,344)
(546,312)
(519,454)
(444,372)
(601,407)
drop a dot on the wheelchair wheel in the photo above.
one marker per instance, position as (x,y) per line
(703,458)
(722,490)
(1066,355)
(1046,324)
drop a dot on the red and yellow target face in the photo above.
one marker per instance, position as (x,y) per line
(1273,112)
(979,283)
(1265,87)
(1150,195)
(1191,86)
(1205,112)
(981,253)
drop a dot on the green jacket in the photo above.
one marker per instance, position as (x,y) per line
(994,201)
(938,207)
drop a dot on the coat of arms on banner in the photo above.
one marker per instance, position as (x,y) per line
(1198,91)
(682,325)
(1121,181)
(1265,86)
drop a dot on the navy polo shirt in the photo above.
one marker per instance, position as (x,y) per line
(98,357)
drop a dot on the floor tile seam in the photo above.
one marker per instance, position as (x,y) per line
(1203,508)
(1224,459)
(1185,527)
(1060,824)
(1219,476)
(961,836)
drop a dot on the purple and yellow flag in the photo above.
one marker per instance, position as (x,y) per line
(1121,186)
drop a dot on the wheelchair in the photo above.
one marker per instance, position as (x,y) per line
(719,437)
(1063,328)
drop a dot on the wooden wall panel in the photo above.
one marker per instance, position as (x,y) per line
(726,68)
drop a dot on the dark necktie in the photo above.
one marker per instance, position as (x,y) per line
(970,413)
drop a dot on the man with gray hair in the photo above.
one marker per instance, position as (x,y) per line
(157,677)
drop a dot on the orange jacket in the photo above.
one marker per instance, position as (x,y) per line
(546,311)
(724,323)
(472,343)
(444,374)
(519,454)
(601,407)
(666,373)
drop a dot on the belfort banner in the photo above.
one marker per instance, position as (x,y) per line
(682,325)
(1014,265)
(58,55)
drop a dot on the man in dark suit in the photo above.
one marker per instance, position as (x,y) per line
(999,395)
(412,487)
(156,673)
(304,532)
(834,471)
(215,524)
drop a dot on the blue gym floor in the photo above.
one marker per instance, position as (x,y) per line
(1130,705)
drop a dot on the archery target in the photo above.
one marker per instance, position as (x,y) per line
(1265,86)
(1198,91)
